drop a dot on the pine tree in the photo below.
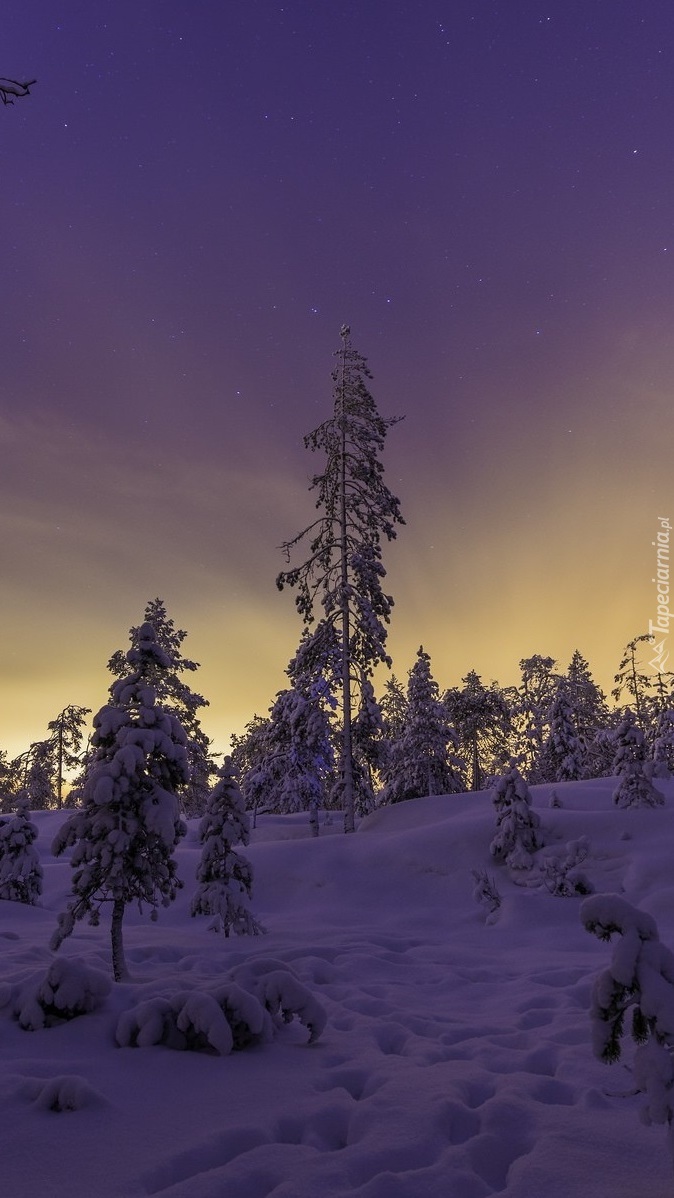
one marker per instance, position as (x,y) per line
(177,697)
(631,678)
(517,826)
(562,759)
(225,877)
(481,718)
(39,787)
(531,705)
(125,832)
(663,744)
(66,743)
(368,747)
(344,566)
(634,788)
(295,756)
(20,869)
(423,760)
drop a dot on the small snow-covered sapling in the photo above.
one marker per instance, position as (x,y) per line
(486,893)
(561,874)
(640,980)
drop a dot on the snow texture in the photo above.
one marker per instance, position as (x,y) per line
(456,1060)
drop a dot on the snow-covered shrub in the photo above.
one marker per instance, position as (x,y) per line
(284,997)
(151,1022)
(561,873)
(485,892)
(68,989)
(190,1021)
(222,1019)
(68,1092)
(225,877)
(20,869)
(517,836)
(281,993)
(555,800)
(639,978)
(249,1021)
(203,1023)
(634,788)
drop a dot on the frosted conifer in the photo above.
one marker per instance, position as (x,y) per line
(634,788)
(344,570)
(423,760)
(562,757)
(225,876)
(177,698)
(20,869)
(663,744)
(295,757)
(517,835)
(129,824)
(640,982)
(481,718)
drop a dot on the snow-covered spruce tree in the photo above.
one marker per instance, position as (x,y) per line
(295,757)
(20,869)
(129,824)
(225,877)
(639,979)
(481,718)
(590,716)
(517,826)
(423,760)
(562,759)
(634,788)
(530,705)
(38,787)
(368,732)
(343,570)
(177,697)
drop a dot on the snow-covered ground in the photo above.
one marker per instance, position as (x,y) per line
(456,1058)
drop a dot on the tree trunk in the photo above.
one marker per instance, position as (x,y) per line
(347,748)
(59,779)
(120,972)
(476,780)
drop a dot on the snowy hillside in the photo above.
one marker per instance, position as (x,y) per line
(456,1058)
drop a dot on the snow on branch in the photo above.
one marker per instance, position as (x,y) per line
(12,87)
(640,979)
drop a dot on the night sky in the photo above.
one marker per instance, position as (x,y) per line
(198,193)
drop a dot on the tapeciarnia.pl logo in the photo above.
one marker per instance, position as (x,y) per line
(658,629)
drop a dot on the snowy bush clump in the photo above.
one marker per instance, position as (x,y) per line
(68,989)
(20,869)
(517,836)
(68,1092)
(561,873)
(640,977)
(225,877)
(634,788)
(485,892)
(223,1019)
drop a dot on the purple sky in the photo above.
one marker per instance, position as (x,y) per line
(196,197)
